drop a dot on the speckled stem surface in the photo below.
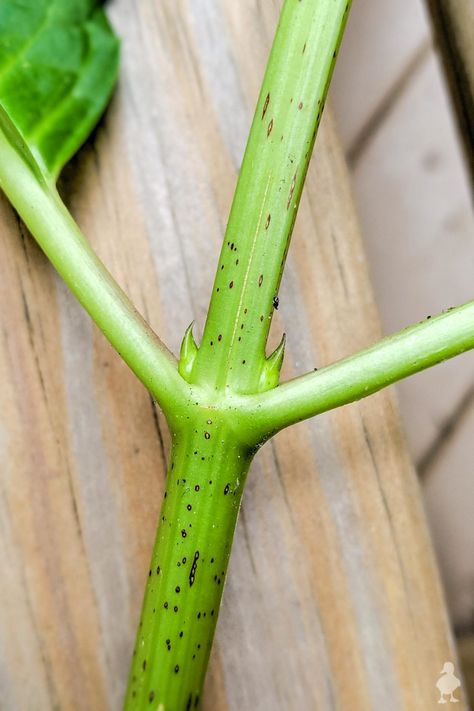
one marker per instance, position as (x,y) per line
(289,109)
(205,482)
(209,462)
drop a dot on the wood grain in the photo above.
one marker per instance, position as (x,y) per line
(413,199)
(333,599)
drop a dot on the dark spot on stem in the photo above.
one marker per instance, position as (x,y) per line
(265,105)
(267,223)
(260,280)
(270,128)
(226,489)
(231,285)
(183,533)
(151,696)
(207,435)
(192,574)
(276,302)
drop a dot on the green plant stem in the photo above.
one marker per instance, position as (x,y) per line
(168,670)
(40,207)
(205,482)
(402,354)
(232,352)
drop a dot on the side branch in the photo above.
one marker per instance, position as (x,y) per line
(42,210)
(402,354)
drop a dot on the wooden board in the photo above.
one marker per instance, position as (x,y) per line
(415,208)
(412,195)
(384,41)
(333,598)
(454,24)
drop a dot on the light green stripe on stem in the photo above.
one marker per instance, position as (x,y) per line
(232,351)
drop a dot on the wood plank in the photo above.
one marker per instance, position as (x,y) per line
(333,598)
(418,225)
(454,25)
(449,495)
(466,652)
(383,40)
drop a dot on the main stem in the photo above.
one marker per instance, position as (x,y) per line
(232,352)
(209,462)
(204,488)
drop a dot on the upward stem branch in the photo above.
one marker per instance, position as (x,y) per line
(232,352)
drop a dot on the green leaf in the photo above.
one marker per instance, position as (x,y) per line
(58,67)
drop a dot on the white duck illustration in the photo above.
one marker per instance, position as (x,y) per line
(447,683)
